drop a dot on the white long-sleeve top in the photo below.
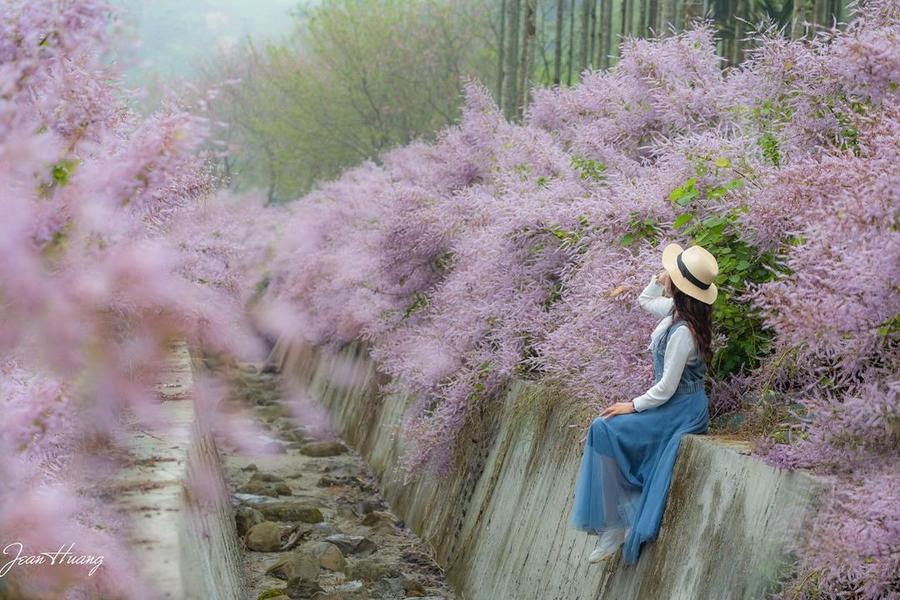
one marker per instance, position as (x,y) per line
(680,349)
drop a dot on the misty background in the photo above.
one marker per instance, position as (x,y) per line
(302,90)
(176,35)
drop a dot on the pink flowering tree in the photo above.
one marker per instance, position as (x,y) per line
(503,251)
(97,278)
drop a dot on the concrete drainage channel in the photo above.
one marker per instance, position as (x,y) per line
(310,516)
(310,521)
(304,520)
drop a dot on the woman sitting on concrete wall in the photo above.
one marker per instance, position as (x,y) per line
(624,478)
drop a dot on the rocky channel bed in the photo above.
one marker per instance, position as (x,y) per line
(312,522)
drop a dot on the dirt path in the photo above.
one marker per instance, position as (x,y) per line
(311,518)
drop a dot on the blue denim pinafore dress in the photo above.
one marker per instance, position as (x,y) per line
(628,459)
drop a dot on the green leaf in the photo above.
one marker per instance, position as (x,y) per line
(682,220)
(716,193)
(589,168)
(769,145)
(683,194)
(62,171)
(686,198)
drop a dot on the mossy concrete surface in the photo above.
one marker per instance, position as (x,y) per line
(499,523)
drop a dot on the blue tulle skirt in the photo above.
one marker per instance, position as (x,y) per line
(627,467)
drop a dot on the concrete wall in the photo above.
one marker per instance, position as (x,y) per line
(211,559)
(183,536)
(499,523)
(212,564)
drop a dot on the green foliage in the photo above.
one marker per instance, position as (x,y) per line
(589,169)
(569,239)
(62,171)
(261,286)
(419,301)
(849,136)
(740,265)
(358,78)
(891,327)
(444,262)
(770,117)
(555,294)
(573,240)
(769,145)
(683,220)
(60,174)
(684,194)
(484,369)
(55,247)
(771,113)
(641,228)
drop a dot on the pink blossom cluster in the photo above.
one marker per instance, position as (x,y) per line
(500,251)
(227,240)
(92,292)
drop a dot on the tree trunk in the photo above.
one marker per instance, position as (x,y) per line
(512,59)
(571,65)
(557,61)
(541,43)
(725,20)
(653,17)
(627,14)
(693,9)
(822,17)
(585,34)
(803,11)
(501,48)
(605,32)
(667,16)
(828,13)
(643,20)
(839,10)
(528,55)
(737,51)
(271,198)
(592,36)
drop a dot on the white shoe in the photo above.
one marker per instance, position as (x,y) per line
(607,544)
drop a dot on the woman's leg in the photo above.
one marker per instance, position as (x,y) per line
(665,426)
(604,498)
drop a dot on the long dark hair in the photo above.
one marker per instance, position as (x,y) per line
(698,317)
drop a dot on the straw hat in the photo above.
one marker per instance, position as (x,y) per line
(692,271)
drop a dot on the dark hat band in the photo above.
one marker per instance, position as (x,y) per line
(688,275)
